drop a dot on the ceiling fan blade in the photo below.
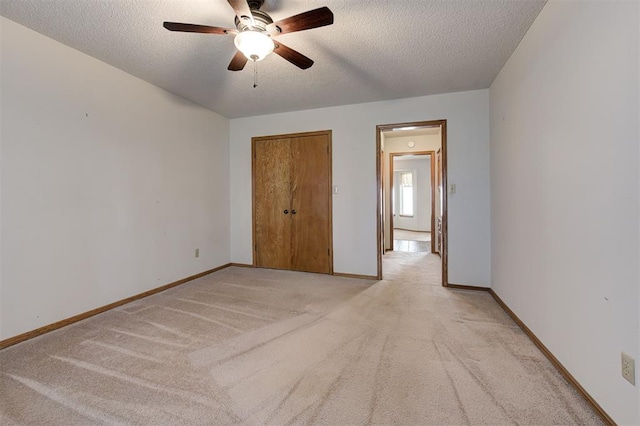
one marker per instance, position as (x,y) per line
(238,62)
(192,28)
(296,58)
(241,8)
(306,21)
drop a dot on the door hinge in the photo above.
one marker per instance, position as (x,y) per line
(328,252)
(255,247)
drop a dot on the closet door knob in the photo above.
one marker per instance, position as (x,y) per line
(286,212)
(293,212)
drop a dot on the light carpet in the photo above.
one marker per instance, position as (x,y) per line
(253,346)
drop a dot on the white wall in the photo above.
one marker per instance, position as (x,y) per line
(564,188)
(421,219)
(354,172)
(108,183)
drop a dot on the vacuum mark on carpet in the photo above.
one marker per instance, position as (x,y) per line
(65,402)
(249,287)
(453,384)
(249,341)
(136,381)
(149,338)
(260,317)
(365,338)
(475,377)
(203,318)
(122,351)
(172,330)
(244,299)
(133,309)
(552,382)
(378,379)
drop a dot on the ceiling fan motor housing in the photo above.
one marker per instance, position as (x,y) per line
(255,4)
(261,19)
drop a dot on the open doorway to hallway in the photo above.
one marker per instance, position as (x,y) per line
(412,199)
(412,211)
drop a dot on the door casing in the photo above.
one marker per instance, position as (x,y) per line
(379,189)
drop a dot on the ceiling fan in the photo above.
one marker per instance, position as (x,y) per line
(255,31)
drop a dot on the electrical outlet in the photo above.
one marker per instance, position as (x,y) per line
(629,368)
(197,252)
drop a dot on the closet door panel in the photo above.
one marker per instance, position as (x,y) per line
(272,197)
(311,201)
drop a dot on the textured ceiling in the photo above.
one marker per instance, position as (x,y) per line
(376,49)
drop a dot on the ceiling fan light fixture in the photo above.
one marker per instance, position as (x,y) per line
(255,45)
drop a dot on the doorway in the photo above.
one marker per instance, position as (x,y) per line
(384,165)
(412,213)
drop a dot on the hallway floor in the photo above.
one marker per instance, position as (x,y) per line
(411,241)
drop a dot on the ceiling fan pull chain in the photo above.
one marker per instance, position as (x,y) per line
(255,74)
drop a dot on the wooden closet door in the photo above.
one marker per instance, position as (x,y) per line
(272,196)
(311,201)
